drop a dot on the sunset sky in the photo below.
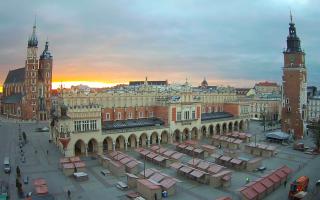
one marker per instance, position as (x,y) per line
(235,42)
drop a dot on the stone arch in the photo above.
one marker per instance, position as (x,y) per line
(218,129)
(186,134)
(132,141)
(120,142)
(224,128)
(164,137)
(154,138)
(230,128)
(204,131)
(241,125)
(247,124)
(143,140)
(79,148)
(194,133)
(107,144)
(177,135)
(92,146)
(236,126)
(211,130)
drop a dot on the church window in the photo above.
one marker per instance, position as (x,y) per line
(107,116)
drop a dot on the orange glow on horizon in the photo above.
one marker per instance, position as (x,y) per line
(92,84)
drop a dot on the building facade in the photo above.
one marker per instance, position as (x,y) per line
(27,90)
(144,117)
(294,96)
(314,108)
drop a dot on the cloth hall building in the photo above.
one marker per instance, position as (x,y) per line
(143,116)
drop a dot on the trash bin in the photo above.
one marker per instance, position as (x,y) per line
(164,194)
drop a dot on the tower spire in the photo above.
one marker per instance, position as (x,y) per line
(33,41)
(291,21)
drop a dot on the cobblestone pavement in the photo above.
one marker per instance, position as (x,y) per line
(39,164)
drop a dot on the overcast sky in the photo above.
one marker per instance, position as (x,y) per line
(235,42)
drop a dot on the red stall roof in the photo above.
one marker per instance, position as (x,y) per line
(176,165)
(214,168)
(39,182)
(120,156)
(186,169)
(132,164)
(194,161)
(157,177)
(148,173)
(79,164)
(249,193)
(266,182)
(125,160)
(274,178)
(67,165)
(155,148)
(189,148)
(177,155)
(113,153)
(203,165)
(182,146)
(286,169)
(169,153)
(64,160)
(197,173)
(162,150)
(225,158)
(41,190)
(152,155)
(149,184)
(159,158)
(198,150)
(75,159)
(258,187)
(144,152)
(167,183)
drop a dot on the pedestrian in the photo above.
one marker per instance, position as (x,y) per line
(47,152)
(69,194)
(285,183)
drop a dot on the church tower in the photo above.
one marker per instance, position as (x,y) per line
(294,83)
(31,76)
(45,83)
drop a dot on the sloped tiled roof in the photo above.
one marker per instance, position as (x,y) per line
(15,76)
(16,98)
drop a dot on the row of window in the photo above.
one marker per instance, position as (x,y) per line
(85,125)
(186,115)
(129,115)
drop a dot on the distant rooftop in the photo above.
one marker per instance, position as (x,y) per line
(131,123)
(215,115)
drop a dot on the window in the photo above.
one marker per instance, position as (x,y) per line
(151,114)
(130,115)
(119,116)
(108,116)
(289,109)
(140,114)
(48,74)
(186,115)
(178,116)
(33,109)
(209,110)
(287,101)
(193,114)
(77,126)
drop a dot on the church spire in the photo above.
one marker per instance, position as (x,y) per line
(293,41)
(33,41)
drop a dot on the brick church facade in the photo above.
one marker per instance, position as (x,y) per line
(294,99)
(27,90)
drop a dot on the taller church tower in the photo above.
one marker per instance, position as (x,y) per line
(31,77)
(294,83)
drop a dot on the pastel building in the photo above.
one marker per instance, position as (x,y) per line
(95,122)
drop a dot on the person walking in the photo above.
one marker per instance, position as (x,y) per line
(47,152)
(69,194)
(285,183)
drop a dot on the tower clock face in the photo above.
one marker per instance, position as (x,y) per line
(292,58)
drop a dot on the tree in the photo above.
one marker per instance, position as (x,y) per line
(18,171)
(314,127)
(24,136)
